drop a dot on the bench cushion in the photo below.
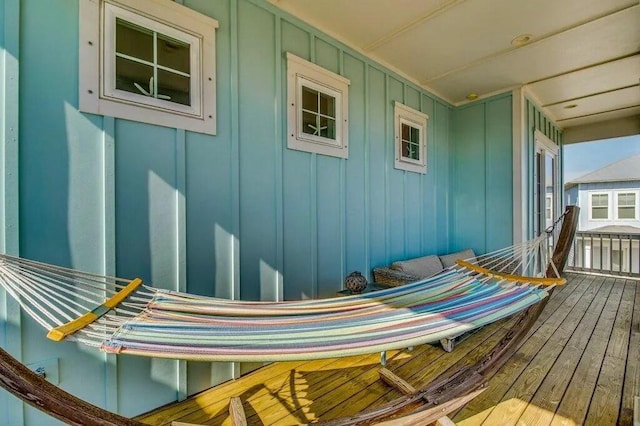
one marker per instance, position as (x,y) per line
(421,267)
(450,259)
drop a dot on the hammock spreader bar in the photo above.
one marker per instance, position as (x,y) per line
(511,277)
(59,333)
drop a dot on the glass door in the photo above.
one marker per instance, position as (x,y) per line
(546,182)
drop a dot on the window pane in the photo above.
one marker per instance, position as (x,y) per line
(327,105)
(406,130)
(327,128)
(173,54)
(600,200)
(627,199)
(175,86)
(414,152)
(415,135)
(599,213)
(309,124)
(410,150)
(132,40)
(309,99)
(130,73)
(626,212)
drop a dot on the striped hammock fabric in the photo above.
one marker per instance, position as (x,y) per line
(118,316)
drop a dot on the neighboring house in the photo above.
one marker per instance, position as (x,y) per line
(609,227)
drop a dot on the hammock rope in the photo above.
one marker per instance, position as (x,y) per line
(125,316)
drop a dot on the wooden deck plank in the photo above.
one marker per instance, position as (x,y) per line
(557,299)
(224,391)
(370,397)
(524,387)
(342,385)
(632,374)
(547,398)
(283,389)
(480,408)
(605,403)
(329,394)
(577,397)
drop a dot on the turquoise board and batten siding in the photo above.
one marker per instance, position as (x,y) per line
(482,175)
(232,215)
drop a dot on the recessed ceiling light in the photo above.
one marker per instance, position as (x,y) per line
(472,96)
(521,40)
(570,106)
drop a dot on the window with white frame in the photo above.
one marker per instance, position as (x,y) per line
(317,113)
(548,207)
(627,203)
(599,205)
(148,60)
(410,139)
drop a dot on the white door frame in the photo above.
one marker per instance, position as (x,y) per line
(544,145)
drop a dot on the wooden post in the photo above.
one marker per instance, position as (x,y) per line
(236,412)
(394,381)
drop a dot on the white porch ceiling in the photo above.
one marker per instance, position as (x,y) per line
(582,52)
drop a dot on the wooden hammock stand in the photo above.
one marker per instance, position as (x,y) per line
(447,393)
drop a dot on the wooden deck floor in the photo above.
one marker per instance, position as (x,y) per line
(579,364)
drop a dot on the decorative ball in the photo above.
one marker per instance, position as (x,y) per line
(355,282)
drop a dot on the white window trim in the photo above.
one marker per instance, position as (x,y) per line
(615,203)
(407,115)
(590,197)
(300,71)
(175,19)
(549,199)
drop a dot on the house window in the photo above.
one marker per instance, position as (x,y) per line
(410,139)
(627,202)
(599,206)
(317,109)
(548,208)
(148,60)
(151,65)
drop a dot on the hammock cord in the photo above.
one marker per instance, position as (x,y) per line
(156,322)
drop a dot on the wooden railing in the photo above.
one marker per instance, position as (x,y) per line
(606,252)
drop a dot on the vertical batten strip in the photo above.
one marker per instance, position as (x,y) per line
(235,157)
(405,179)
(313,198)
(279,124)
(181,242)
(423,177)
(11,409)
(367,172)
(109,245)
(519,207)
(387,208)
(343,192)
(487,175)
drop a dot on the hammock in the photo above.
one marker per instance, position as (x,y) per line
(122,316)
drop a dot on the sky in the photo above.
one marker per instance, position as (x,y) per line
(583,158)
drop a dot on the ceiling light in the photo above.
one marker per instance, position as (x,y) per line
(570,106)
(472,96)
(521,40)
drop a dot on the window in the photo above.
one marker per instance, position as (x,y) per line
(410,139)
(627,202)
(317,109)
(548,207)
(148,60)
(599,206)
